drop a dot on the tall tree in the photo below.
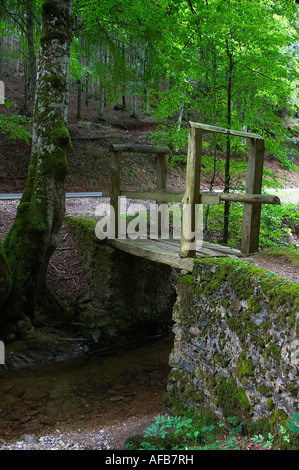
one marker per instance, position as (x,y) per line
(34,234)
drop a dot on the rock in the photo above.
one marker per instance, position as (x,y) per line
(25,419)
(45,420)
(29,439)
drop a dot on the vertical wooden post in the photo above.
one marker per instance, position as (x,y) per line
(115,189)
(252,211)
(161,182)
(191,196)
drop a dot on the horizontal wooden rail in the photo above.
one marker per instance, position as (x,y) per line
(206,197)
(252,198)
(192,196)
(155,149)
(221,130)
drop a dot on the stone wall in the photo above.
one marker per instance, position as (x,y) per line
(130,297)
(236,350)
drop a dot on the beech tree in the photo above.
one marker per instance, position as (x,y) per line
(34,235)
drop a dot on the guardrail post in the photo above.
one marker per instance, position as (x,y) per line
(191,197)
(252,211)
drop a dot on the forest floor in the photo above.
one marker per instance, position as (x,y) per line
(89,170)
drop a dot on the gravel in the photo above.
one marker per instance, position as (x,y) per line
(62,441)
(111,437)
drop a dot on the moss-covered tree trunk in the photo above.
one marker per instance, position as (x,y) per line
(34,234)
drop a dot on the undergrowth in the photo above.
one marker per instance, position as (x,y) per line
(195,433)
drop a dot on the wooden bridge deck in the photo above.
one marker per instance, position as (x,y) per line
(167,251)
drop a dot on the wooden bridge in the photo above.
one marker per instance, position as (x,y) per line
(180,253)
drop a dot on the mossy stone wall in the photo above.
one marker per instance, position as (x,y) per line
(130,298)
(236,349)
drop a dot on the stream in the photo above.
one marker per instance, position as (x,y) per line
(84,392)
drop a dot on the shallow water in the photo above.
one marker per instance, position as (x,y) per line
(84,392)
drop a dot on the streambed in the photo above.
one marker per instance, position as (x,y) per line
(85,392)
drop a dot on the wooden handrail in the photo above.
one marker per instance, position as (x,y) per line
(210,198)
(139,148)
(221,130)
(192,196)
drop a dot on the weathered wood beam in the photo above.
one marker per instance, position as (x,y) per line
(206,197)
(154,149)
(252,212)
(252,198)
(191,197)
(155,195)
(221,130)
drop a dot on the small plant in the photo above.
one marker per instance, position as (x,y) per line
(290,429)
(179,428)
(184,432)
(293,424)
(237,427)
(266,443)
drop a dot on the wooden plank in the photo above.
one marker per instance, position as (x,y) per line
(206,197)
(155,195)
(252,212)
(153,252)
(167,251)
(209,198)
(136,148)
(162,171)
(115,188)
(253,198)
(221,248)
(221,130)
(191,196)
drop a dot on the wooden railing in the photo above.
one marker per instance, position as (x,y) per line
(192,196)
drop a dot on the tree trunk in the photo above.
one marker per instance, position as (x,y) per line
(31,51)
(34,235)
(79,90)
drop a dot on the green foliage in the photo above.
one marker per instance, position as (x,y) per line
(293,425)
(17,126)
(278,223)
(182,432)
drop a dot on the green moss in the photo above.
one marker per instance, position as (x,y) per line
(288,253)
(263,389)
(275,351)
(82,223)
(243,277)
(61,136)
(261,426)
(270,403)
(244,367)
(254,305)
(231,399)
(5,276)
(224,302)
(242,325)
(242,398)
(187,279)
